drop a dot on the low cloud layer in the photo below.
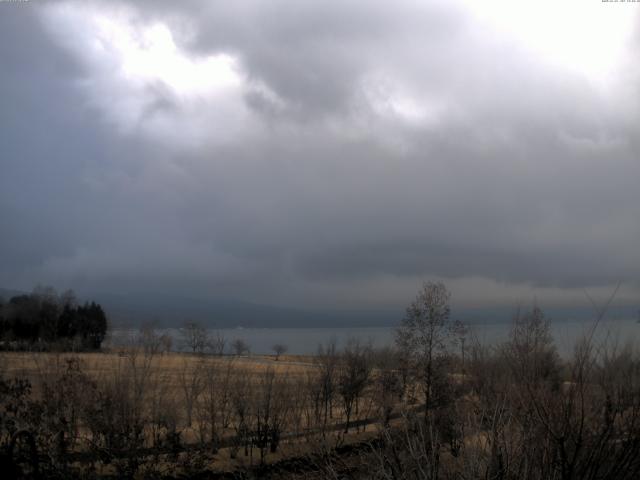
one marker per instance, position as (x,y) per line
(318,154)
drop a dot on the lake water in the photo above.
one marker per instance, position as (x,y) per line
(304,341)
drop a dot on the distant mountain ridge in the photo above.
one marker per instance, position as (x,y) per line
(167,310)
(171,310)
(6,294)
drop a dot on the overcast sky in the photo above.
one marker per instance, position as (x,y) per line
(322,153)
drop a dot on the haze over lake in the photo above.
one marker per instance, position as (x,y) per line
(305,341)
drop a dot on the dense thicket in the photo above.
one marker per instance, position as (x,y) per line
(43,319)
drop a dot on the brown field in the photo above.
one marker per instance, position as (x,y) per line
(139,413)
(166,381)
(33,365)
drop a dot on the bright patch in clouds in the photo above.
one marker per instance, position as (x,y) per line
(587,36)
(151,54)
(141,80)
(393,100)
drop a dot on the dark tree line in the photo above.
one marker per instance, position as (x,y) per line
(43,319)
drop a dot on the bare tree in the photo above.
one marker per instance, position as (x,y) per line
(242,404)
(195,337)
(270,411)
(118,409)
(190,378)
(240,347)
(530,351)
(214,408)
(423,336)
(218,343)
(149,339)
(327,361)
(460,333)
(279,349)
(387,382)
(166,343)
(353,378)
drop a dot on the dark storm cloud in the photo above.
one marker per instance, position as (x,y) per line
(41,157)
(361,148)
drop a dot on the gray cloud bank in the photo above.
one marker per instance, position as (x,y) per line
(352,151)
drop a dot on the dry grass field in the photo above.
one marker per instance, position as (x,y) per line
(200,399)
(34,365)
